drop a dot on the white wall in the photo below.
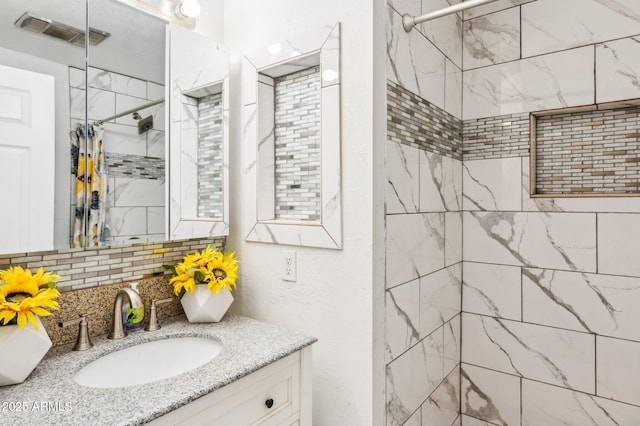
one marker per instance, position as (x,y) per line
(333,297)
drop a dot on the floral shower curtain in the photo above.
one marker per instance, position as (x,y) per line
(93,189)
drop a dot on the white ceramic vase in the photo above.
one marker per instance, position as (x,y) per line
(22,350)
(204,306)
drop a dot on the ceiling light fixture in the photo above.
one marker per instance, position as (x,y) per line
(188,9)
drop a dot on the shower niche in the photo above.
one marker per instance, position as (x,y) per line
(586,151)
(292,116)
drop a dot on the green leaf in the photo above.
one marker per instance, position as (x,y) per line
(50,284)
(171,268)
(198,276)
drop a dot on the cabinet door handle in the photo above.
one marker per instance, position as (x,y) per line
(269,403)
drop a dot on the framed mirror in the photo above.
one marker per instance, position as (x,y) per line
(291,117)
(95,173)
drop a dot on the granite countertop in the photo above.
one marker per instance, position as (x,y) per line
(50,396)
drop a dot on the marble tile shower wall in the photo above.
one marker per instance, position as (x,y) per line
(136,201)
(550,286)
(423,218)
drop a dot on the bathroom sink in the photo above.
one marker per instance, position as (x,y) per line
(148,362)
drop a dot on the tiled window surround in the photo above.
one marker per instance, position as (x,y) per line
(413,121)
(210,156)
(582,152)
(297,145)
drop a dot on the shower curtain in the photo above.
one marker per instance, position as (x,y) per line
(93,190)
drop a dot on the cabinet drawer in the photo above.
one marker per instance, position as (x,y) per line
(244,402)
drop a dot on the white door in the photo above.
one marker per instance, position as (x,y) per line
(27,142)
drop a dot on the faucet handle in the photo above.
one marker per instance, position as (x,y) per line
(153,324)
(83,341)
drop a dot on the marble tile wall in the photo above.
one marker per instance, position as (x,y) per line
(136,182)
(549,288)
(423,199)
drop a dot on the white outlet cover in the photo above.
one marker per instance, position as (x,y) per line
(289,268)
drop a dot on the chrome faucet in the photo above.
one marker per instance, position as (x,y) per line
(134,299)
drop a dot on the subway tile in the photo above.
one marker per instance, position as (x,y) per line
(138,192)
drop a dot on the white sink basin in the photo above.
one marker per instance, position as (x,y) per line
(148,362)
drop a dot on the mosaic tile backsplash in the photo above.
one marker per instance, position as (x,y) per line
(81,268)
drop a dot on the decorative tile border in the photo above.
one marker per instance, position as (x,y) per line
(496,137)
(414,121)
(134,166)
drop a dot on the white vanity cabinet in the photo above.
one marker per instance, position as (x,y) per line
(277,394)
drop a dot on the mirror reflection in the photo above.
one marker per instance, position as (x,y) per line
(59,124)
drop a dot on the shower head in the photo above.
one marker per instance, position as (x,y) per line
(144,124)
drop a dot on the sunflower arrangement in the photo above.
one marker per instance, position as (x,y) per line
(210,266)
(24,295)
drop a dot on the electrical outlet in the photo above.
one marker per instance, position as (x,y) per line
(289,265)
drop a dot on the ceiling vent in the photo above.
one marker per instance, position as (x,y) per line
(60,31)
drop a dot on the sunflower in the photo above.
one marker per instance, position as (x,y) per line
(24,295)
(210,266)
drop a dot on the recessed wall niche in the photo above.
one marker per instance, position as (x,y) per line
(586,151)
(292,135)
(202,148)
